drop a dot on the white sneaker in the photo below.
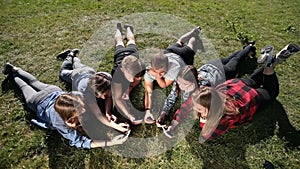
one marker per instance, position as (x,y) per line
(286,52)
(266,55)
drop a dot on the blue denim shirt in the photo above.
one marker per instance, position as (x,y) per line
(49,118)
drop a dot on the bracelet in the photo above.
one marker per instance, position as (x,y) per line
(147,109)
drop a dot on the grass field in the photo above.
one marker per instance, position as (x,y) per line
(34,31)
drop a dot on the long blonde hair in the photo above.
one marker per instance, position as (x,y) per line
(211,99)
(67,105)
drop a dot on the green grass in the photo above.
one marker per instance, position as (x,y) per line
(33,32)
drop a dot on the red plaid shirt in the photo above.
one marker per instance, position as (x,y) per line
(245,100)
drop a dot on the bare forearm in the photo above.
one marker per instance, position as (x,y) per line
(123,107)
(148,99)
(100,143)
(161,82)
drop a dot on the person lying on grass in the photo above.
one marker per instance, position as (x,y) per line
(235,101)
(212,73)
(127,72)
(56,109)
(165,67)
(95,87)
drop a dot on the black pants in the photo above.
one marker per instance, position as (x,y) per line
(230,63)
(267,86)
(185,52)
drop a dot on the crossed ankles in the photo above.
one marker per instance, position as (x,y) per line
(68,52)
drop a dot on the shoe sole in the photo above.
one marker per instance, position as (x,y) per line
(287,51)
(265,52)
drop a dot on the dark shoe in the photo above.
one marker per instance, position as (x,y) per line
(7,68)
(74,52)
(119,27)
(62,55)
(128,26)
(287,51)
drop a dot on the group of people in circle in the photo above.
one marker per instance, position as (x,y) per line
(212,94)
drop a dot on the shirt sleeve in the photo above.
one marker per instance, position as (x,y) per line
(148,77)
(170,101)
(75,139)
(172,72)
(184,111)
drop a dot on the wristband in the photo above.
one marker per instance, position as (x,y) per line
(147,109)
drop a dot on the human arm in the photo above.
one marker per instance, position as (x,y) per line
(162,81)
(135,82)
(97,112)
(119,139)
(120,102)
(148,94)
(108,106)
(149,118)
(169,103)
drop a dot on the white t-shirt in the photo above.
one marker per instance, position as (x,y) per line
(175,64)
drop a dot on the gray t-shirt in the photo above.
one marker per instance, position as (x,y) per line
(175,64)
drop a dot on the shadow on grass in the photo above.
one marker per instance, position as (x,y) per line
(229,150)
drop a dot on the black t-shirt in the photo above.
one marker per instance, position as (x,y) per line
(120,78)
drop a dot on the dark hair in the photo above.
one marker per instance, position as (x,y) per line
(99,83)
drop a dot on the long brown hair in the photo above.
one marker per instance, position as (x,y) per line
(67,105)
(210,98)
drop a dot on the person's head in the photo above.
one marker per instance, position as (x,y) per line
(70,107)
(132,68)
(187,78)
(100,84)
(160,63)
(209,105)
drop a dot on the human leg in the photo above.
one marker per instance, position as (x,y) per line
(230,63)
(28,92)
(118,36)
(129,34)
(270,82)
(270,86)
(187,36)
(66,70)
(32,89)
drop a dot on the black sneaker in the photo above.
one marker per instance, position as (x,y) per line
(286,52)
(266,55)
(62,55)
(73,52)
(7,68)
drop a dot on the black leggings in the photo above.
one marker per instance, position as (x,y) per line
(185,52)
(267,86)
(230,63)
